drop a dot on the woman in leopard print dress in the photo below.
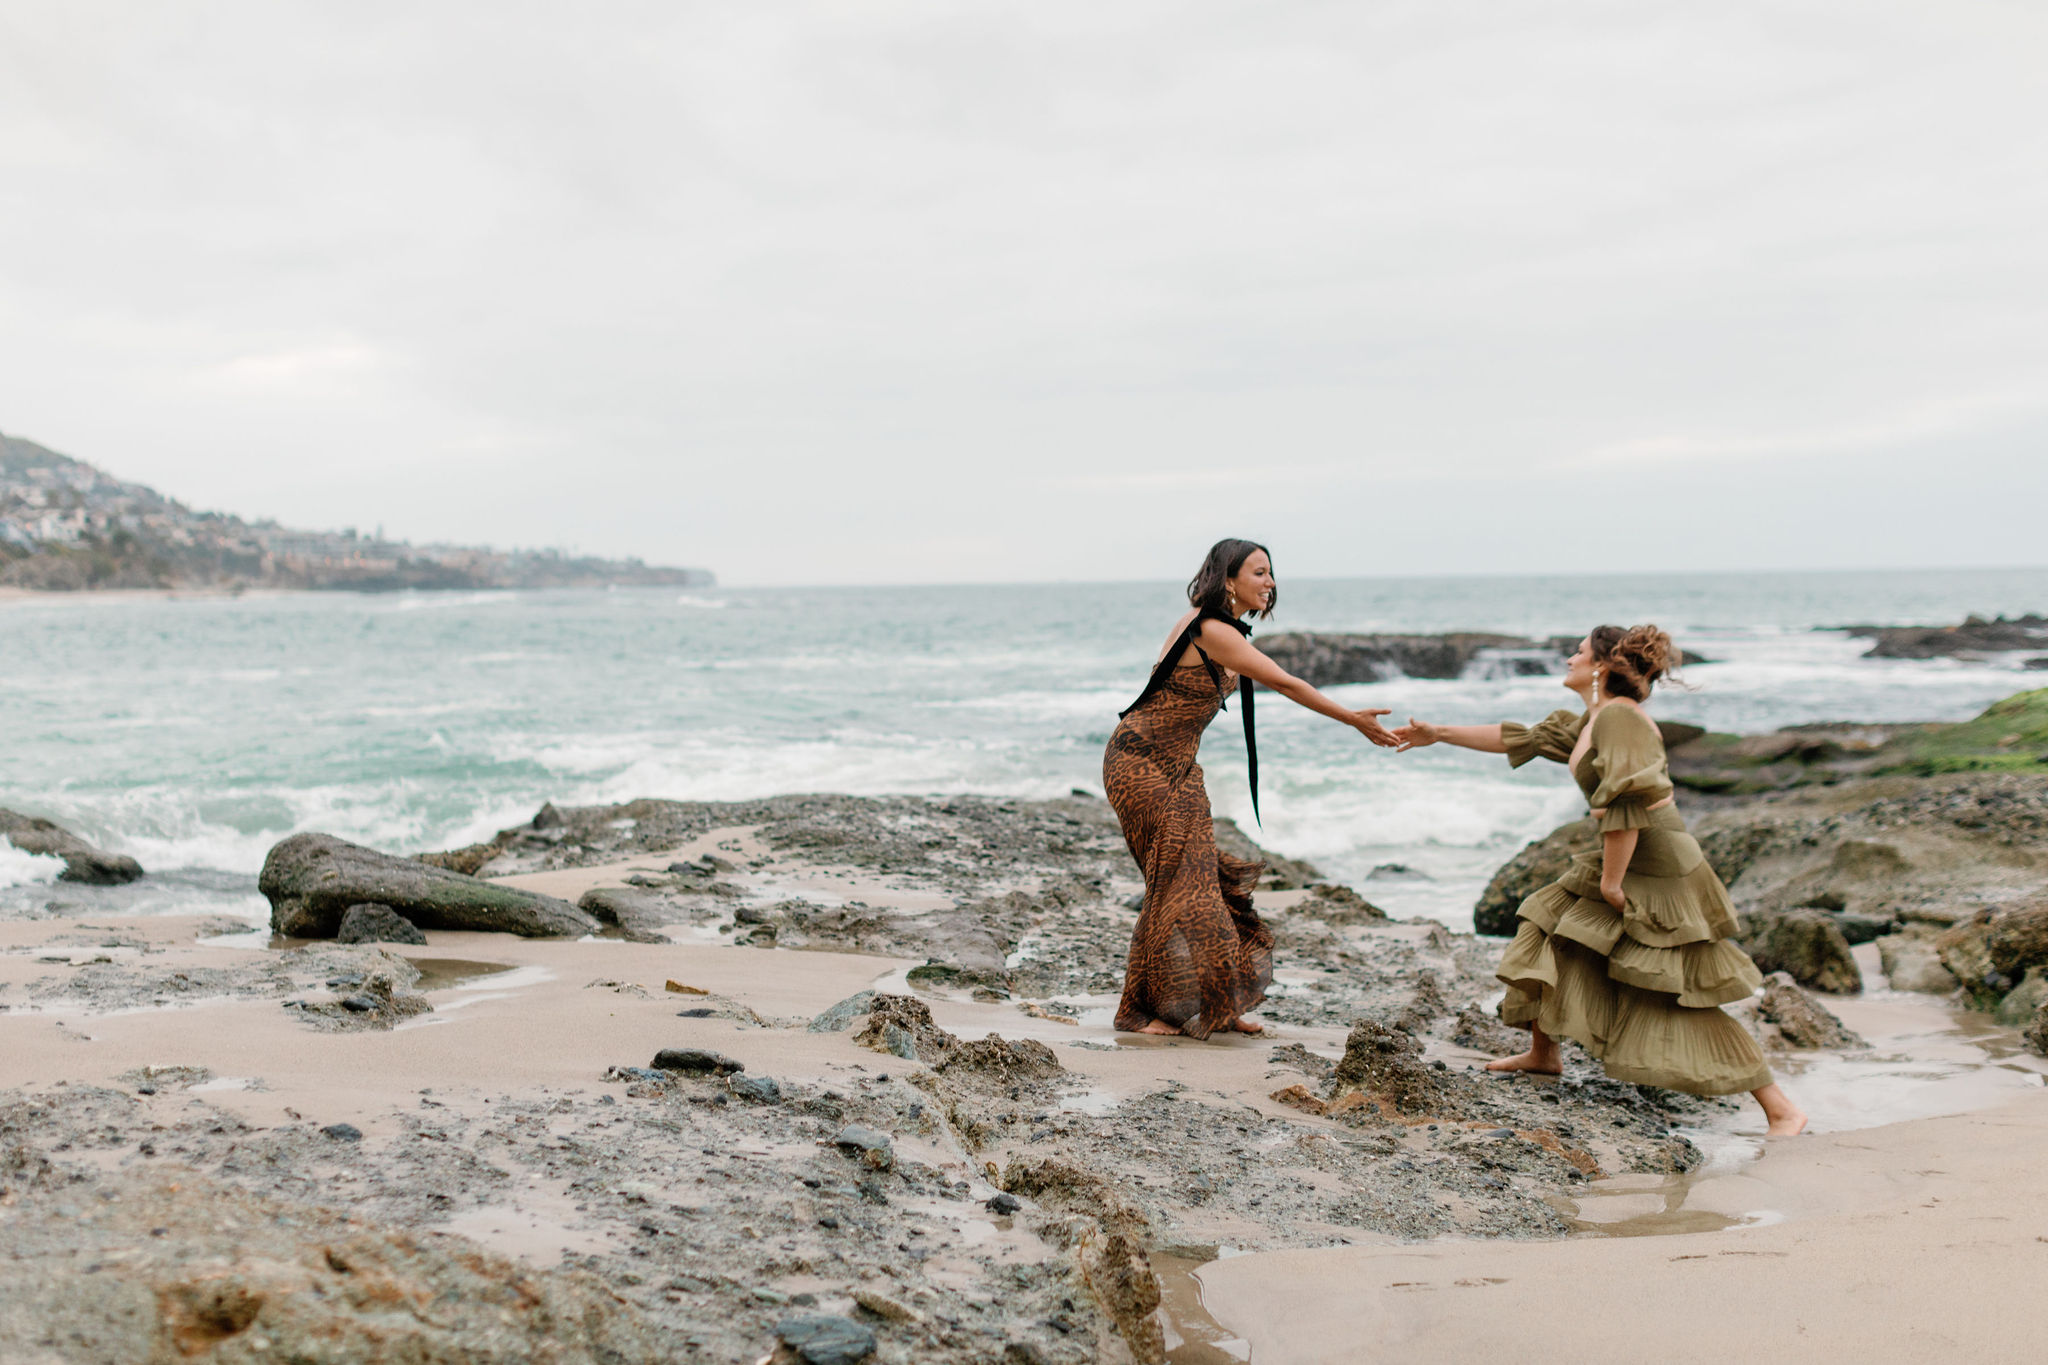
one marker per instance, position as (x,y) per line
(1200,958)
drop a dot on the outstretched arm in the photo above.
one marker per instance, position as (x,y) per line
(1417,734)
(1237,654)
(1617,848)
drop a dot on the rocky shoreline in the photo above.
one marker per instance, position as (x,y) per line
(957,1160)
(828,1078)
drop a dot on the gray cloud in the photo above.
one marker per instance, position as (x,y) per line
(924,291)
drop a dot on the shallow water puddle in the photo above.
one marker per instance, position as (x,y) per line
(443,973)
(1192,1336)
(1927,1057)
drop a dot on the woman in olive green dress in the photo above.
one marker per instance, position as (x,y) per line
(1629,951)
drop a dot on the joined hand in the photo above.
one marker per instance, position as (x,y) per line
(1416,734)
(1368,724)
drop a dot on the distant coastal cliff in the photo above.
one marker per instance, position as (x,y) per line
(66,526)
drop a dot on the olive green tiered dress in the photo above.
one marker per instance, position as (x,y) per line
(1640,989)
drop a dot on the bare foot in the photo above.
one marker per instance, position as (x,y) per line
(1545,1065)
(1787,1125)
(1251,1026)
(1159,1027)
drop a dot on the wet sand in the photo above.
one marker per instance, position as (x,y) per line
(1881,1236)
(1925,1240)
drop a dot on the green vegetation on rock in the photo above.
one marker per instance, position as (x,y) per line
(2010,736)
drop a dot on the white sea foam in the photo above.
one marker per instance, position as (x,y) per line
(27,869)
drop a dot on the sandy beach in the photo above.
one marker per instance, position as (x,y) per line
(1917,1241)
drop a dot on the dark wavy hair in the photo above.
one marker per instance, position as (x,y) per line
(1206,589)
(1636,657)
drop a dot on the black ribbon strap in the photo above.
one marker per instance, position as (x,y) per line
(1171,660)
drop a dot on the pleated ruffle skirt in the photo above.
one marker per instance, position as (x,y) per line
(1640,989)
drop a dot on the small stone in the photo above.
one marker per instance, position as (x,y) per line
(702,1013)
(343,1132)
(882,1306)
(372,922)
(761,1089)
(772,1296)
(840,1017)
(360,1004)
(695,1059)
(1501,1133)
(1004,1203)
(899,1042)
(822,1339)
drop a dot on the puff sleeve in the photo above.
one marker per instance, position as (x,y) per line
(1627,754)
(1553,738)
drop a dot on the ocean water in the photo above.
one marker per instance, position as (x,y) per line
(195,733)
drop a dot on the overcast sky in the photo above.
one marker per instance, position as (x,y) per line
(888,292)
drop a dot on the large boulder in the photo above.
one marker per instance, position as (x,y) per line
(82,861)
(1807,946)
(313,879)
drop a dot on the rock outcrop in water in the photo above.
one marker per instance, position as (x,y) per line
(1326,659)
(82,861)
(1975,637)
(312,880)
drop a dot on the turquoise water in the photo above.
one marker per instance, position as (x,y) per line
(195,733)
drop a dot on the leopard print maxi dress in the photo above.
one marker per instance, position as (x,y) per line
(1200,955)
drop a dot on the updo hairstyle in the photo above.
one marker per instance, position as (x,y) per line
(1636,658)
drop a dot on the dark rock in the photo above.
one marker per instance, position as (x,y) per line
(761,1089)
(1807,945)
(360,1004)
(823,1339)
(343,1132)
(1801,1021)
(1004,1203)
(1860,928)
(1331,660)
(1535,867)
(1974,636)
(82,861)
(312,880)
(374,923)
(547,817)
(695,1059)
(840,1017)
